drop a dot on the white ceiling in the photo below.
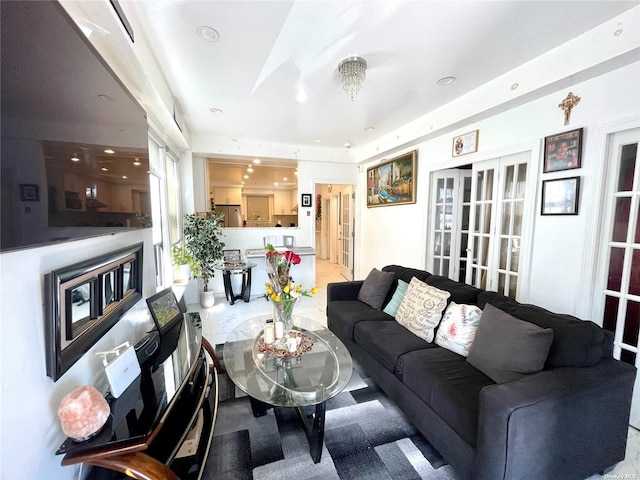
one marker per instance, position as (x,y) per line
(268,50)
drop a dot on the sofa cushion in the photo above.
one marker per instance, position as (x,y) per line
(448,384)
(460,292)
(458,328)
(576,343)
(506,348)
(421,309)
(392,307)
(343,315)
(387,341)
(375,288)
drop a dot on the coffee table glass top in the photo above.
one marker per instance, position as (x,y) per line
(316,372)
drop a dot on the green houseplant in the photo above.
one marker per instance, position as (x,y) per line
(184,264)
(202,233)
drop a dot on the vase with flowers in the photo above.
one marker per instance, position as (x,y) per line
(281,289)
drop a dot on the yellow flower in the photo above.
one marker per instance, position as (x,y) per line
(286,289)
(298,288)
(314,290)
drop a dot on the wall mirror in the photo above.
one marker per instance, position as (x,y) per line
(83,301)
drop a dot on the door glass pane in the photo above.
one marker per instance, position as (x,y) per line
(480,186)
(634,278)
(464,238)
(445,267)
(489,195)
(517,218)
(478,218)
(506,218)
(504,251)
(508,184)
(621,219)
(522,180)
(447,243)
(440,190)
(449,192)
(466,196)
(501,282)
(487,219)
(632,320)
(627,167)
(513,286)
(484,250)
(515,255)
(637,239)
(616,262)
(448,217)
(436,266)
(439,219)
(475,249)
(465,217)
(610,313)
(437,244)
(628,357)
(474,275)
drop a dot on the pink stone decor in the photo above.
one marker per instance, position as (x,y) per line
(83,412)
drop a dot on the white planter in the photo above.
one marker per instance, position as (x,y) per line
(182,273)
(207,299)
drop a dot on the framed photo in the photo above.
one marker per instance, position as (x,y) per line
(464,144)
(29,192)
(393,182)
(560,197)
(563,151)
(306,200)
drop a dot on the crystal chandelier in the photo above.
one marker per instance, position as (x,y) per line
(352,71)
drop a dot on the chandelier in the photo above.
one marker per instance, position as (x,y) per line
(352,72)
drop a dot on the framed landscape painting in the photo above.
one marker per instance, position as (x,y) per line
(392,182)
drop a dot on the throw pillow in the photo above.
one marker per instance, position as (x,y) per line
(375,288)
(398,295)
(458,328)
(421,309)
(506,348)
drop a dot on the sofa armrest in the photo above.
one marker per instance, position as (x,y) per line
(343,290)
(559,423)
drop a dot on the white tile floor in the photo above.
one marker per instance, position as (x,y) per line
(219,320)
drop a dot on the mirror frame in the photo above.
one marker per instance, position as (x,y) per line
(62,352)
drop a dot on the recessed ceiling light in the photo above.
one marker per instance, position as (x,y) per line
(446,80)
(284,179)
(515,85)
(250,170)
(257,161)
(217,111)
(246,176)
(75,158)
(296,172)
(104,169)
(275,183)
(617,33)
(124,176)
(318,141)
(369,129)
(136,162)
(108,150)
(207,33)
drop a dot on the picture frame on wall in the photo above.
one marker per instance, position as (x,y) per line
(29,192)
(393,182)
(560,196)
(305,200)
(563,151)
(465,144)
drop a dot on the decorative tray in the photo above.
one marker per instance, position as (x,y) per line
(279,349)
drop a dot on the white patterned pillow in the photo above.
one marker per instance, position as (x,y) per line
(421,309)
(458,328)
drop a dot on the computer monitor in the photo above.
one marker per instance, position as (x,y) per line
(165,310)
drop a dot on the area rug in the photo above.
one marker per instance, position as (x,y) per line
(366,437)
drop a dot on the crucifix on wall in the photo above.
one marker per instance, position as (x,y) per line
(567,104)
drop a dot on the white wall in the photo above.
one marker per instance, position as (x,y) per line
(397,234)
(30,427)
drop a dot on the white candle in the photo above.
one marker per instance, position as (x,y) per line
(292,344)
(279,329)
(268,334)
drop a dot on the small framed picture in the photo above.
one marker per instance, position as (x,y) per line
(563,151)
(464,144)
(29,192)
(560,197)
(306,200)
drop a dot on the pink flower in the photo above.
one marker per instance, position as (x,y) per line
(452,330)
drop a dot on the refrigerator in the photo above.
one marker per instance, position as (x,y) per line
(232,217)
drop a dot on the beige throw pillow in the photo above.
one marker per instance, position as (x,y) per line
(421,309)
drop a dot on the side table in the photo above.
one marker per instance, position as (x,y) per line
(243,269)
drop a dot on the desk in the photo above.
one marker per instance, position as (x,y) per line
(153,417)
(236,269)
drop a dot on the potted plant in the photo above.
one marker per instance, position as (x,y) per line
(184,264)
(202,232)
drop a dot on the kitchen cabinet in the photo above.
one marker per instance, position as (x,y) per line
(281,202)
(227,196)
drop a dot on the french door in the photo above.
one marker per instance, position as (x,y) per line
(345,233)
(451,204)
(619,261)
(498,210)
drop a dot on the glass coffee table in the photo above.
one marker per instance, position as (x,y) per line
(274,376)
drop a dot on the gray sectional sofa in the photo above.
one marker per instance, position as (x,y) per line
(568,421)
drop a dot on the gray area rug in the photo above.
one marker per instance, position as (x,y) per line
(366,437)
